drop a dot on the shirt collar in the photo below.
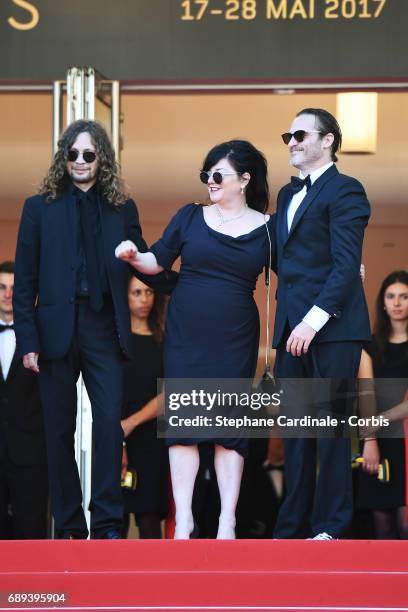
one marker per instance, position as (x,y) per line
(317,173)
(3,322)
(90,194)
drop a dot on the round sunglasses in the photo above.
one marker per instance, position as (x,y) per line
(217,176)
(299,135)
(87,156)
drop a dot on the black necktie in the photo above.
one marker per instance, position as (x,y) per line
(92,268)
(5,327)
(297,183)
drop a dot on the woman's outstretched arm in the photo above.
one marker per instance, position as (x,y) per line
(142,262)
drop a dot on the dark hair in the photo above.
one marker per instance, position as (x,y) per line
(328,125)
(157,314)
(7,267)
(109,181)
(382,326)
(244,157)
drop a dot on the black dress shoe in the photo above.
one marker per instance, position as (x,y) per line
(110,534)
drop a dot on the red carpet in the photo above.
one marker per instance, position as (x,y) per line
(206,575)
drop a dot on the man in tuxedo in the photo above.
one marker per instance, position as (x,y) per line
(23,462)
(321,319)
(71,316)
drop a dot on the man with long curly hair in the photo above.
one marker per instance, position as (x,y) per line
(71,315)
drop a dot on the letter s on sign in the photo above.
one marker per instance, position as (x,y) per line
(35,16)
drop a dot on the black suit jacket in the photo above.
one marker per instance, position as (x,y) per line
(319,261)
(45,272)
(21,421)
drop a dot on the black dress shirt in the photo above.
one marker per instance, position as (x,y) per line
(91,199)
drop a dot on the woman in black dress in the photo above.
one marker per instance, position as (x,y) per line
(212,328)
(145,453)
(387,358)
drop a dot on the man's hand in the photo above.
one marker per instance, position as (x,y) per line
(126,251)
(30,361)
(300,339)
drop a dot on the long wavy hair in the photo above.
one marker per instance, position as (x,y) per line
(382,326)
(109,182)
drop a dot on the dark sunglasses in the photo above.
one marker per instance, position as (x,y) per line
(299,135)
(217,176)
(87,156)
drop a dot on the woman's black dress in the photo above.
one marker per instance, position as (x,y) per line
(392,364)
(146,453)
(212,327)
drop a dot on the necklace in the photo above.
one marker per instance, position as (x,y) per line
(223,220)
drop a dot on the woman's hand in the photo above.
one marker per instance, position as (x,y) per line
(127,251)
(146,263)
(127,426)
(371,456)
(124,463)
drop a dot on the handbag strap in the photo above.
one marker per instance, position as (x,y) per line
(268,302)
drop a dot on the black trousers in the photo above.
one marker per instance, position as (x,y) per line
(95,352)
(324,503)
(25,488)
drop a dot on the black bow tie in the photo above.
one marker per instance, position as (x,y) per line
(5,327)
(297,183)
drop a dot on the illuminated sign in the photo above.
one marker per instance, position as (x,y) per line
(214,41)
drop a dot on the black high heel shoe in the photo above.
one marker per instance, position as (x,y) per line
(194,534)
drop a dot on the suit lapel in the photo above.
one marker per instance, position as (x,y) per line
(13,366)
(311,195)
(282,221)
(112,227)
(71,217)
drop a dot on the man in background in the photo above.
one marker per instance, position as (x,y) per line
(23,462)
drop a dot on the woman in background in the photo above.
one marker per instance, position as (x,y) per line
(146,454)
(387,357)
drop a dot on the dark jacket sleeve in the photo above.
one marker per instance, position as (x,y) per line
(26,278)
(349,214)
(166,280)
